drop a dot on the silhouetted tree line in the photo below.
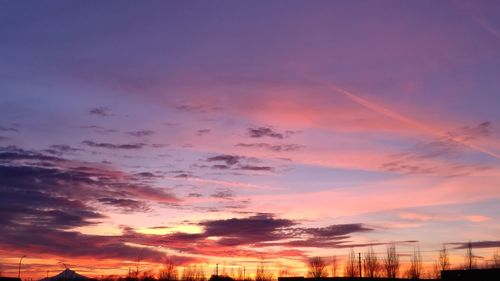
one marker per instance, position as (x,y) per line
(389,266)
(366,264)
(171,271)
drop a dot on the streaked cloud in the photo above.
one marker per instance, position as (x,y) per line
(113,146)
(102,111)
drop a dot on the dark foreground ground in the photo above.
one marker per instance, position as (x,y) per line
(342,279)
(490,274)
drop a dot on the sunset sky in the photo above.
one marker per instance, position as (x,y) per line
(233,131)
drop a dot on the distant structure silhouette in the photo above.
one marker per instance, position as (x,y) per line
(9,279)
(220,278)
(68,275)
(487,274)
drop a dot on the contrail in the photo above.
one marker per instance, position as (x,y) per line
(482,22)
(224,183)
(397,116)
(488,28)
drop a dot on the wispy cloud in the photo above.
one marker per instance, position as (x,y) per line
(9,129)
(223,193)
(202,132)
(60,149)
(113,146)
(441,155)
(141,133)
(99,129)
(236,162)
(260,132)
(476,244)
(195,108)
(102,111)
(271,147)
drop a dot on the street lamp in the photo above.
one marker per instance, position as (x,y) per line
(20,261)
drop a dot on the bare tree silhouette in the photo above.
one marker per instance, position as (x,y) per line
(262,273)
(334,266)
(233,272)
(469,257)
(193,273)
(372,264)
(224,270)
(138,264)
(188,273)
(435,271)
(391,262)
(148,276)
(415,270)
(351,269)
(169,271)
(496,258)
(444,258)
(317,267)
(239,275)
(200,273)
(284,272)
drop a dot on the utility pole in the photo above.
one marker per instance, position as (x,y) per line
(359,262)
(20,261)
(244,273)
(217,269)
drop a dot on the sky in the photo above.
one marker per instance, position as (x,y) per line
(230,132)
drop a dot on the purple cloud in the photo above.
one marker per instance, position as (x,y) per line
(113,146)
